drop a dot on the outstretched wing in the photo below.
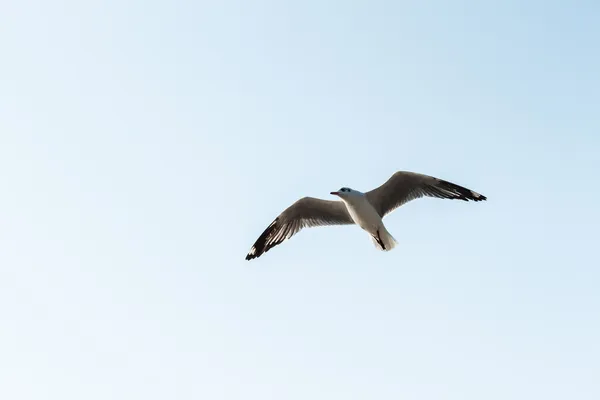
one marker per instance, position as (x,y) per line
(304,213)
(405,186)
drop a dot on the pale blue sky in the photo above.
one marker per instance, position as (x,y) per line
(145,145)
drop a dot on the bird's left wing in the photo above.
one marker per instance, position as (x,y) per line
(304,213)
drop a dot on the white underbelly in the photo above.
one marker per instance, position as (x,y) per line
(364,215)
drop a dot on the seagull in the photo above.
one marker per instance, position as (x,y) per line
(357,208)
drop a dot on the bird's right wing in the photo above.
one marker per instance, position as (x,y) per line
(304,213)
(405,186)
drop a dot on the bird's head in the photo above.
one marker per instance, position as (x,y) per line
(346,192)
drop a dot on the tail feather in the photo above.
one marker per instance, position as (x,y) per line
(383,240)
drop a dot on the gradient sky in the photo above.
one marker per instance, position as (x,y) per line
(145,145)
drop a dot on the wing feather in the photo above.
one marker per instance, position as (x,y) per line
(405,186)
(305,213)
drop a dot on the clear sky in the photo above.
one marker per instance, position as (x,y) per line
(145,145)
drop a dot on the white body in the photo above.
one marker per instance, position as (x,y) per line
(365,216)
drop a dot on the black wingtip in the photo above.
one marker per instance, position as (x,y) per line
(476,196)
(465,194)
(260,246)
(253,253)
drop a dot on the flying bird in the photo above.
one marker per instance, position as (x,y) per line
(363,209)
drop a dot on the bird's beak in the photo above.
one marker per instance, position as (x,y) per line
(335,193)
